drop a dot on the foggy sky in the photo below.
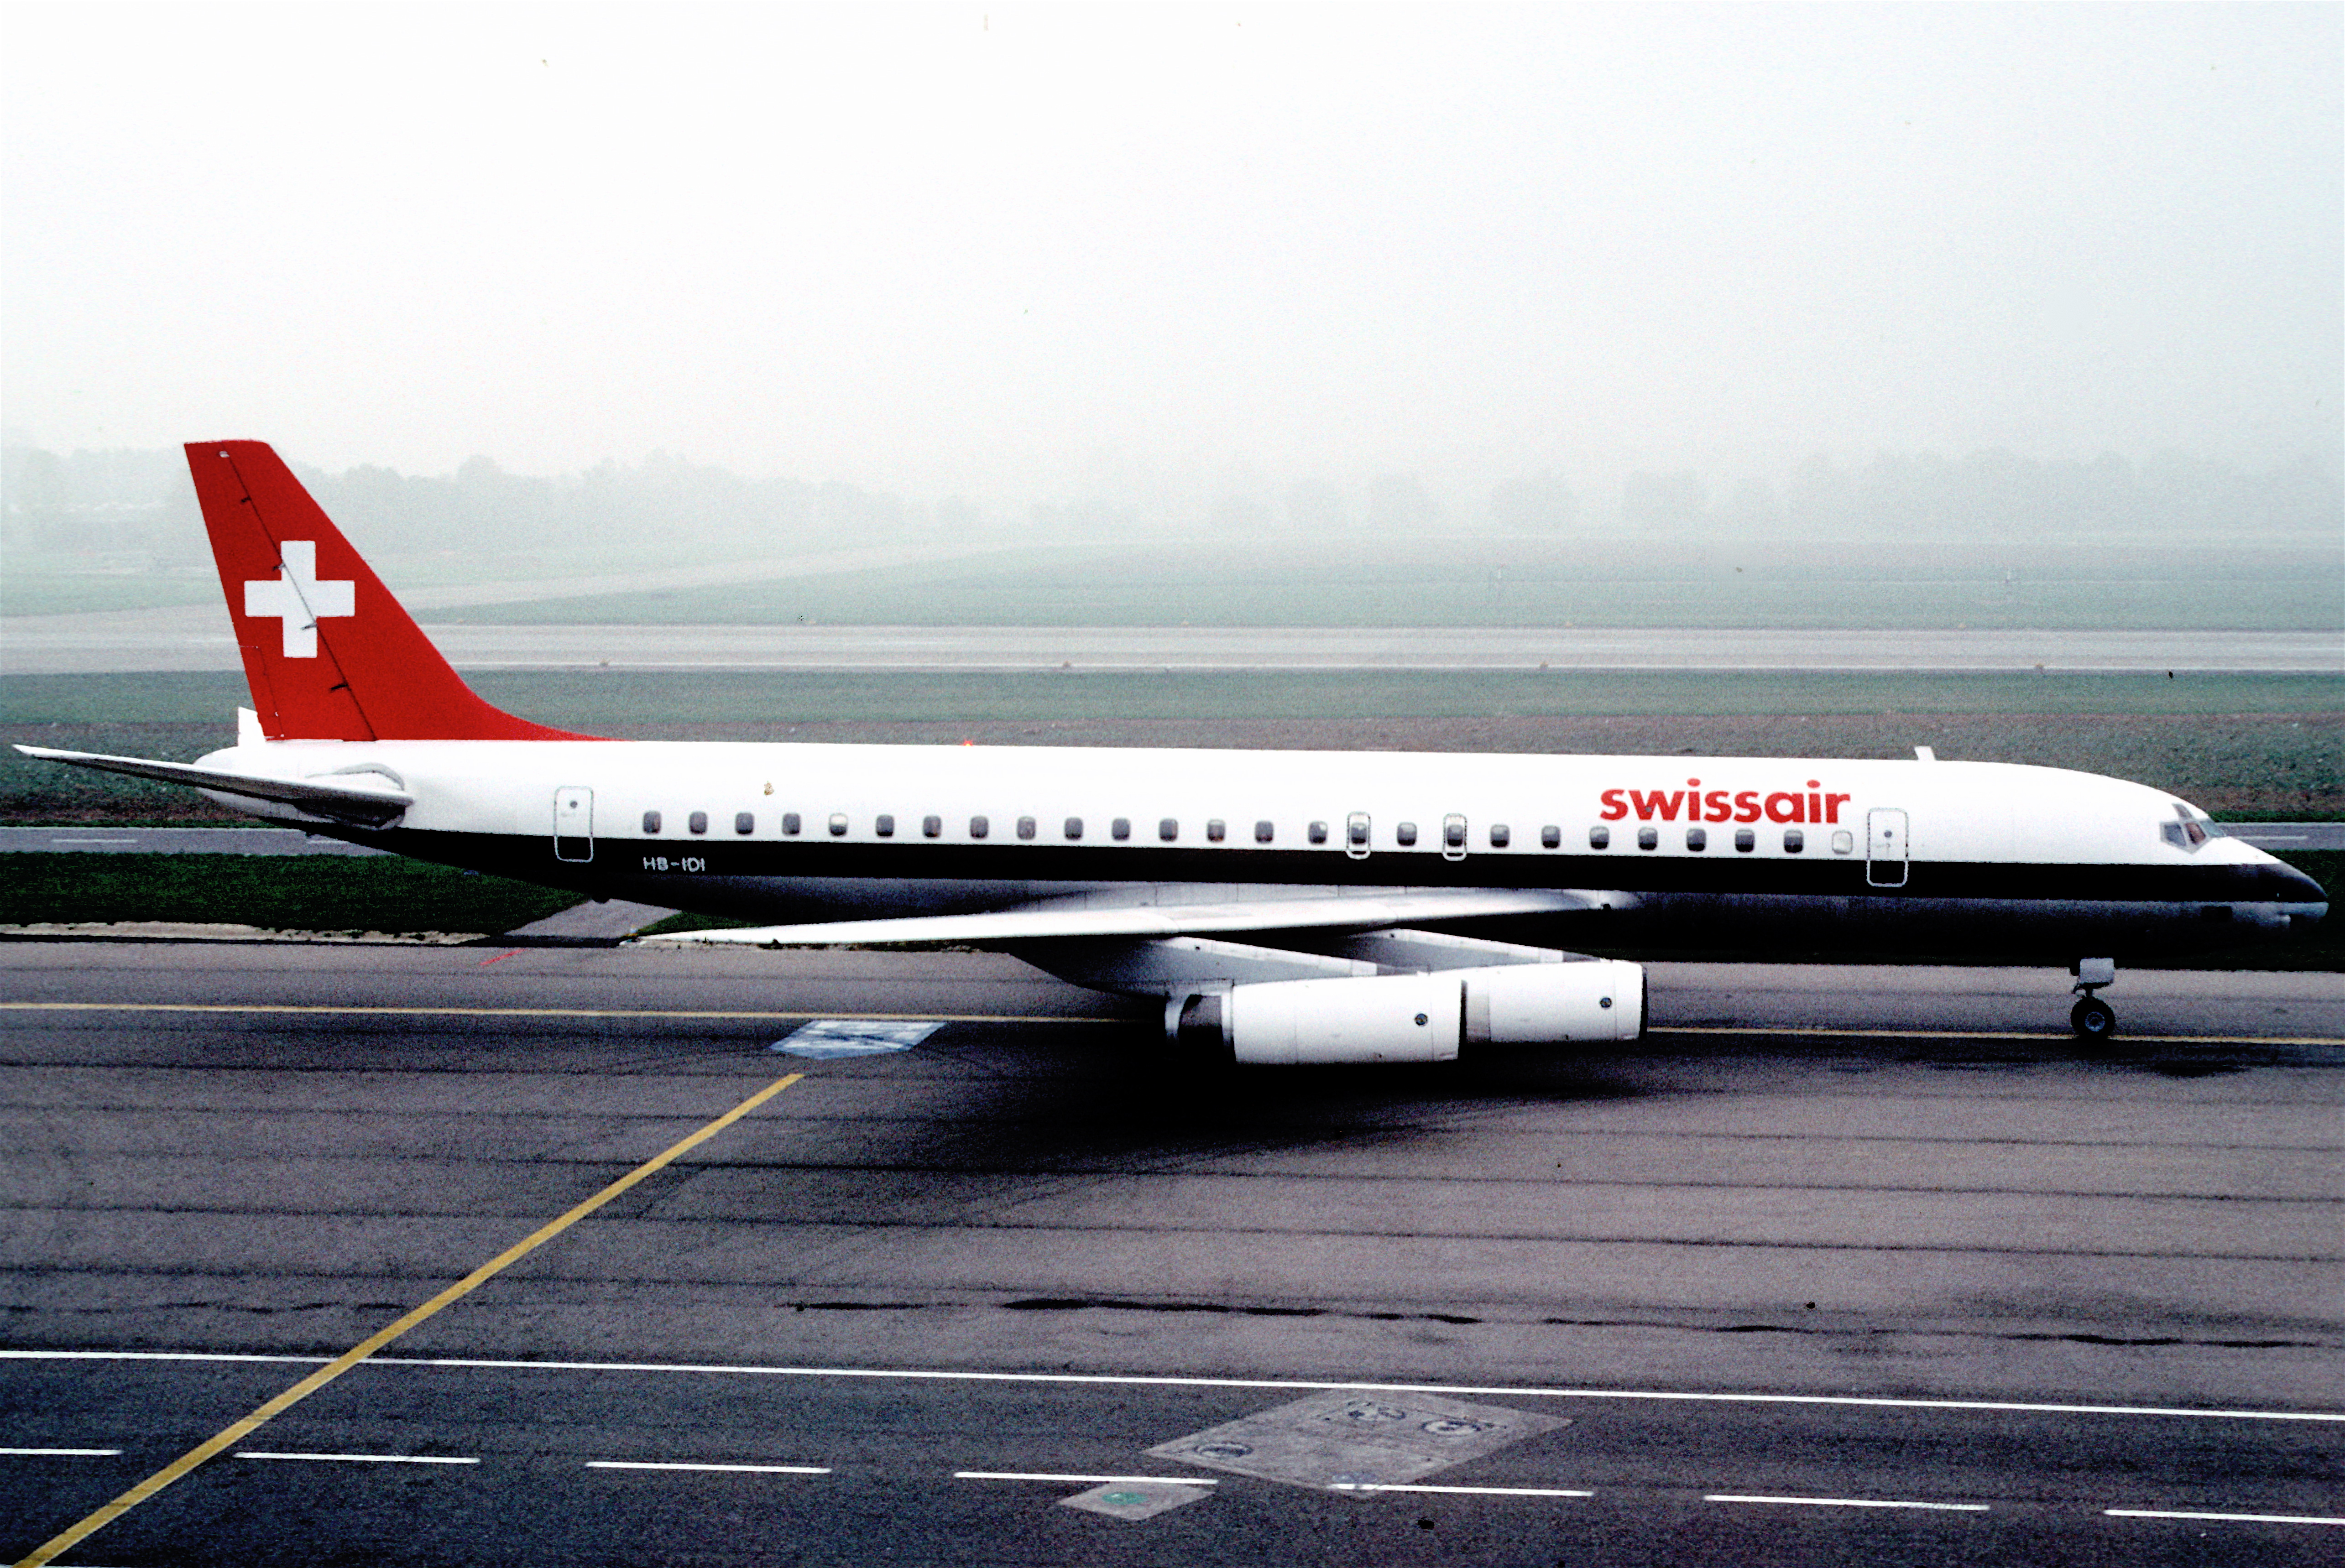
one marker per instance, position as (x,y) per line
(1021,254)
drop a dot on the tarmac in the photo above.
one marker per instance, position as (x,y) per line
(1842,1264)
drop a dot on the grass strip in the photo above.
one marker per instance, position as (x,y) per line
(276,893)
(650,703)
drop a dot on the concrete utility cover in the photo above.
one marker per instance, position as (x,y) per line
(1357,1439)
(826,1040)
(1134,1499)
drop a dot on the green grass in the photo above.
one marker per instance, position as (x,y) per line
(35,592)
(275,891)
(1499,581)
(650,703)
(56,584)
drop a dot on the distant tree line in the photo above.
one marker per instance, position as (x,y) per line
(127,500)
(1989,495)
(97,503)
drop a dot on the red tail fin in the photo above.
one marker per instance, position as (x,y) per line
(328,652)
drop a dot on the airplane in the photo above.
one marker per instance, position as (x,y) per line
(1287,906)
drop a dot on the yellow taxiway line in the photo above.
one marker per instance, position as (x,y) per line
(1803,1031)
(719,1016)
(220,1442)
(705,1015)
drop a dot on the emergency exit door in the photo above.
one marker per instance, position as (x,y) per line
(573,824)
(1884,846)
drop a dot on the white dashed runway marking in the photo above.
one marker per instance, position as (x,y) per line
(1845,1502)
(2234,1518)
(1084,1479)
(1461,1491)
(686,1465)
(360,1458)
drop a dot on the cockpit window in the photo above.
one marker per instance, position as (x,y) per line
(2182,834)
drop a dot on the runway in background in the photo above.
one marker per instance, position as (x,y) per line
(197,637)
(1842,1262)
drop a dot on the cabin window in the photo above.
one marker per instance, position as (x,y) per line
(838,825)
(1075,827)
(1795,840)
(1168,830)
(1216,830)
(790,822)
(1697,839)
(1121,828)
(1745,841)
(1649,838)
(1025,827)
(651,821)
(1501,835)
(1405,832)
(744,822)
(1599,838)
(978,827)
(1452,832)
(884,825)
(1843,842)
(931,826)
(1551,837)
(1358,829)
(1317,833)
(698,822)
(1264,832)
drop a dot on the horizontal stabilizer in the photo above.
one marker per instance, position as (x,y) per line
(1035,923)
(366,805)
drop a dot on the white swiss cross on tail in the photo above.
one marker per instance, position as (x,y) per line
(299,598)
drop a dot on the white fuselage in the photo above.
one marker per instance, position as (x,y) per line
(815,831)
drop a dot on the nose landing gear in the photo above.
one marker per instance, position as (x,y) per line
(2092,1020)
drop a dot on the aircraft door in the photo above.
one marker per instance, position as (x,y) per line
(574,822)
(1884,846)
(1356,836)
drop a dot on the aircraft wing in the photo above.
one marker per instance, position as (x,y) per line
(1311,910)
(366,804)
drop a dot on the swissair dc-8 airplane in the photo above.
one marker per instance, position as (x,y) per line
(1289,907)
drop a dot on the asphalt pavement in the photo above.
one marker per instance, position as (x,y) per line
(1841,1265)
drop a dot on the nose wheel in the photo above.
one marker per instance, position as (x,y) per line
(2092,1020)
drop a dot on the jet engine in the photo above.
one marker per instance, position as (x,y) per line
(1417,1017)
(1548,1004)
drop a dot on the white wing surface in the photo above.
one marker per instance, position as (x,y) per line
(1042,921)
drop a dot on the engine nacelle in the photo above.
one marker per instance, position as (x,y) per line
(1415,1017)
(1379,1019)
(1548,1004)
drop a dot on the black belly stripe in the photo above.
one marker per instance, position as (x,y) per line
(532,858)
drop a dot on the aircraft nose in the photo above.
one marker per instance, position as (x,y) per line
(2276,882)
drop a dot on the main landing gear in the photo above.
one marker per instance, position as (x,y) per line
(2092,1020)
